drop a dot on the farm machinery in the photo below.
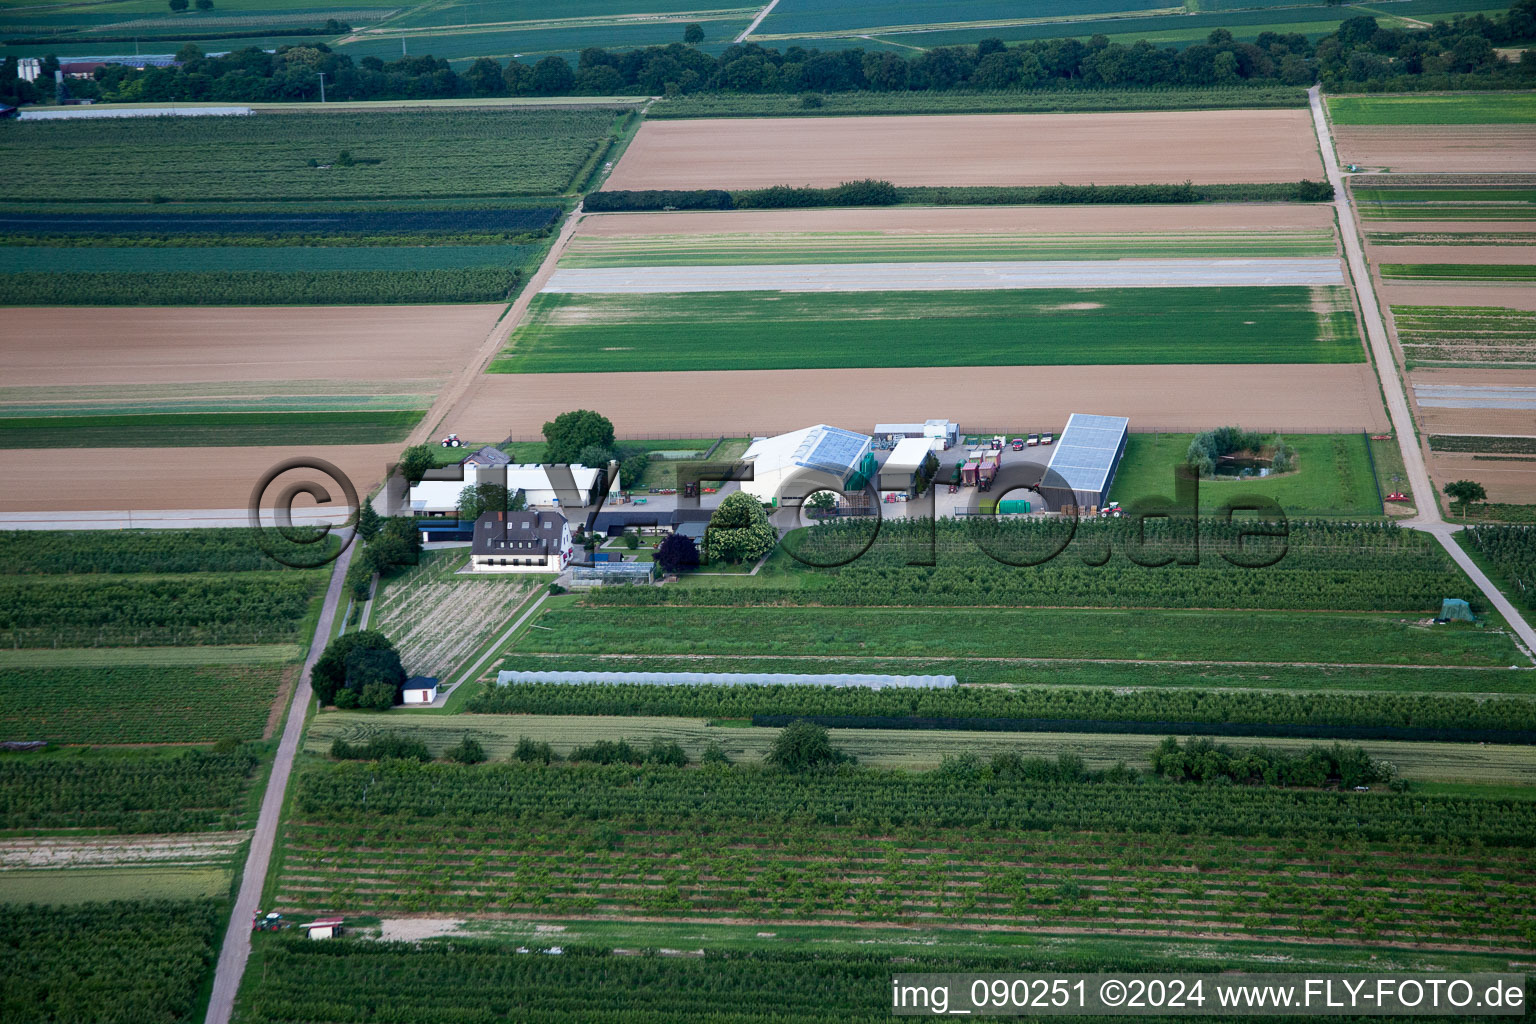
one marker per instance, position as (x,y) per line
(272,922)
(452,441)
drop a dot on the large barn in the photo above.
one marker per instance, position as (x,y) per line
(1082,468)
(795,465)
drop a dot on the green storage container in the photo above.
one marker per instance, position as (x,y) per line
(1012,507)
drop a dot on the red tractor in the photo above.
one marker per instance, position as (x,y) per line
(452,441)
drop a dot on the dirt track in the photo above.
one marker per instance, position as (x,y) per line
(1439,148)
(68,479)
(1204,146)
(979,220)
(154,345)
(1288,397)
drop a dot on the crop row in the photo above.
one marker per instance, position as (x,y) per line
(53,552)
(483,982)
(1511,551)
(192,791)
(121,611)
(258,287)
(107,963)
(830,875)
(363,794)
(422,153)
(207,429)
(1477,443)
(339,222)
(137,703)
(1420,716)
(1458,271)
(925,632)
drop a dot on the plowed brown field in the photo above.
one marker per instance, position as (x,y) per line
(133,479)
(1439,420)
(155,345)
(1294,397)
(1512,296)
(1203,146)
(1496,255)
(1505,480)
(1438,148)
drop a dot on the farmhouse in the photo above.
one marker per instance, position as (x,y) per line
(795,465)
(543,485)
(529,541)
(1082,468)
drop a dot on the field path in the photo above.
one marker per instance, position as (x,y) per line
(237,938)
(756,22)
(495,341)
(1428,516)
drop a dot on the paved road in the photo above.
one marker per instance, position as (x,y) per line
(954,275)
(237,939)
(1428,516)
(756,21)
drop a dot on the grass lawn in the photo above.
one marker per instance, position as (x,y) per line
(1131,635)
(211,429)
(773,330)
(92,885)
(1462,108)
(1333,475)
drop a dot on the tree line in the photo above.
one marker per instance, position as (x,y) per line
(1445,55)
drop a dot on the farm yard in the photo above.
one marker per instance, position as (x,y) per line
(1035,149)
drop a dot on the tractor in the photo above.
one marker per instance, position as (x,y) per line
(452,441)
(269,923)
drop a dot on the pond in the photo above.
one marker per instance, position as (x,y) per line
(1236,467)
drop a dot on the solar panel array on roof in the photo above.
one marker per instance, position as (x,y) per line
(1085,454)
(831,450)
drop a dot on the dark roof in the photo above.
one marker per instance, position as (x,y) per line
(691,515)
(694,530)
(488,456)
(518,533)
(420,682)
(606,521)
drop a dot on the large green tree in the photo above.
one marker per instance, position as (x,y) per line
(739,530)
(330,674)
(567,434)
(1465,492)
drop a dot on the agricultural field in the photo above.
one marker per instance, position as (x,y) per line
(1463,108)
(1382,200)
(124,961)
(723,330)
(460,153)
(1084,855)
(1438,148)
(1481,336)
(1213,146)
(438,618)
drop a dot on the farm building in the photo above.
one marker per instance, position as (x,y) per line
(910,463)
(437,531)
(943,433)
(600,573)
(658,520)
(529,541)
(543,486)
(419,690)
(487,456)
(1082,468)
(795,465)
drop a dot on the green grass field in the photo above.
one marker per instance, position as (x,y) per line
(772,330)
(1140,635)
(1464,108)
(193,430)
(913,750)
(209,259)
(96,885)
(1333,475)
(1446,202)
(876,247)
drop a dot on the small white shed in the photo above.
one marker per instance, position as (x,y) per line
(419,690)
(325,928)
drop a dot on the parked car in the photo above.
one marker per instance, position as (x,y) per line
(1047,438)
(1034,439)
(1018,444)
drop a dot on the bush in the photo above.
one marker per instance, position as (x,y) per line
(657,199)
(466,751)
(677,553)
(714,755)
(802,746)
(528,750)
(631,541)
(385,746)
